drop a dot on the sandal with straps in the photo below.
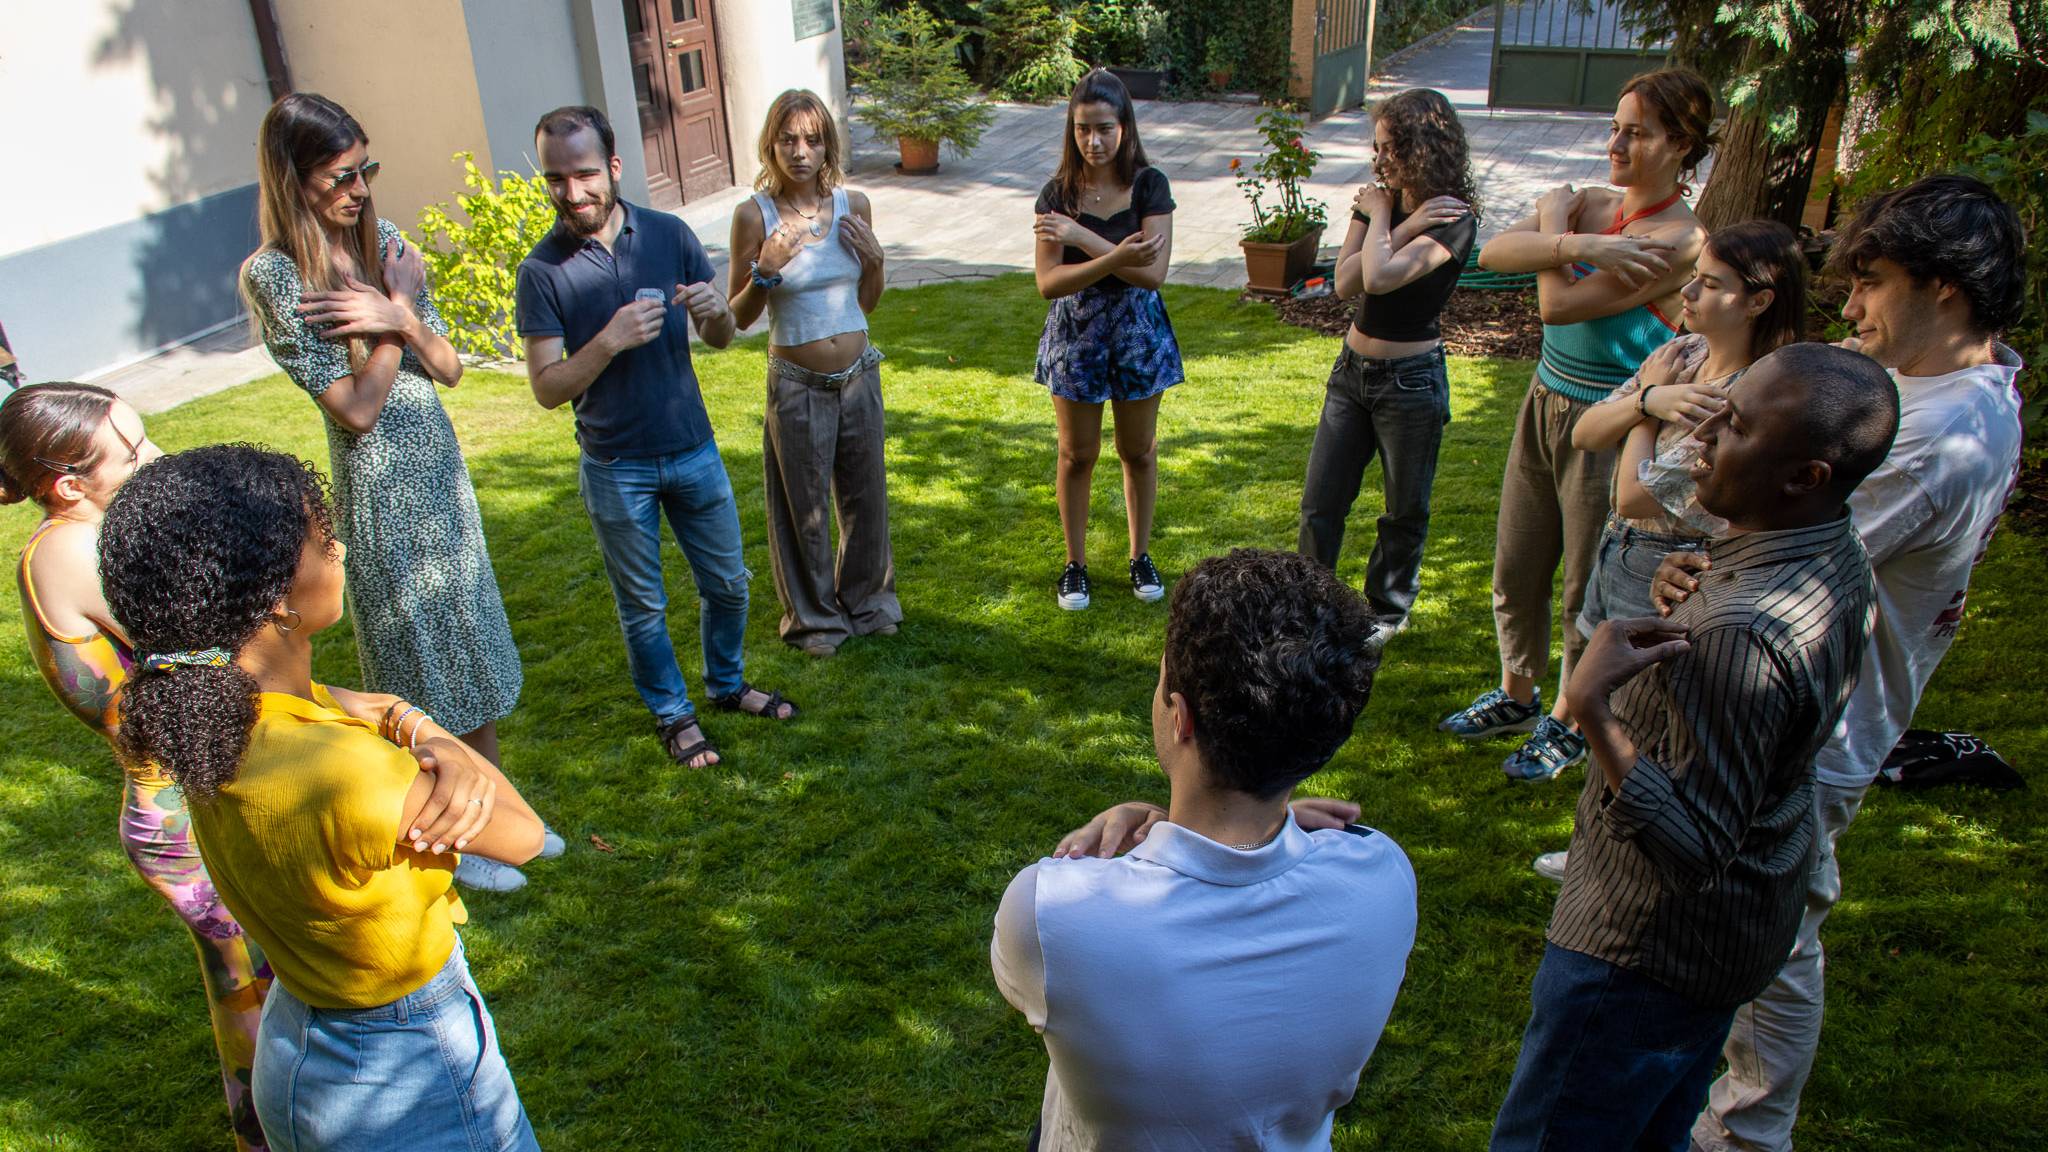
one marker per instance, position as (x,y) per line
(670,734)
(769,711)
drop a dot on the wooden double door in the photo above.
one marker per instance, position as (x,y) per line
(681,102)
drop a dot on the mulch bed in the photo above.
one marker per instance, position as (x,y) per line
(1474,323)
(2028,509)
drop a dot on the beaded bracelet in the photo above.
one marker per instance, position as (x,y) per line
(398,725)
(412,742)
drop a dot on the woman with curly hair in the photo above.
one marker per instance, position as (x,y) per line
(69,448)
(804,249)
(1104,233)
(323,814)
(1388,393)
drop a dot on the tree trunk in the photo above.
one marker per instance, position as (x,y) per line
(1756,177)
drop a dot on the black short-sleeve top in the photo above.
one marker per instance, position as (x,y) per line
(1409,313)
(1150,196)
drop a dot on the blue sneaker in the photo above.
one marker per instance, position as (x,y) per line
(1492,714)
(1550,749)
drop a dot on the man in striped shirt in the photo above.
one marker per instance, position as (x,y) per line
(1694,833)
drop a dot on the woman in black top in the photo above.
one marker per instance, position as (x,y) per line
(1388,393)
(1105,233)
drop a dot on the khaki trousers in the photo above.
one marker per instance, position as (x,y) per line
(821,447)
(1553,504)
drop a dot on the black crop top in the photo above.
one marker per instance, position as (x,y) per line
(1150,196)
(1409,313)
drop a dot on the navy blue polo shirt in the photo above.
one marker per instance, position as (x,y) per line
(646,401)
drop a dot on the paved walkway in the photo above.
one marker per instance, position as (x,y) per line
(972,219)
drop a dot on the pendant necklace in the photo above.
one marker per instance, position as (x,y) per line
(817,229)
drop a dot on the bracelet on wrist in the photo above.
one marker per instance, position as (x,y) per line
(1643,401)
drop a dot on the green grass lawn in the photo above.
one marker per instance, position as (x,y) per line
(791,950)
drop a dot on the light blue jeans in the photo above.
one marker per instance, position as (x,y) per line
(626,498)
(423,1073)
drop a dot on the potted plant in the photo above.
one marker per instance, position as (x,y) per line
(911,89)
(1128,38)
(1280,242)
(1217,63)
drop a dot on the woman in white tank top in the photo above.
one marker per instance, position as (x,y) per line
(804,249)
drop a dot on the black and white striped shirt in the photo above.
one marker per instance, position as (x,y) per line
(1694,873)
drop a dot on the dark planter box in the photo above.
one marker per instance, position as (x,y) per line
(1143,83)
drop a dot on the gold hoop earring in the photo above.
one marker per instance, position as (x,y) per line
(284,629)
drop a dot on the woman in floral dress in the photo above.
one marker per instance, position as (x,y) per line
(344,309)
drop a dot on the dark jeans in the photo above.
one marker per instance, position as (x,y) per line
(1610,1060)
(1395,409)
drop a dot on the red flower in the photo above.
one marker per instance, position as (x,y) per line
(1235,164)
(1297,141)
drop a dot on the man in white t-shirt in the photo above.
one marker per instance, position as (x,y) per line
(1220,983)
(1936,273)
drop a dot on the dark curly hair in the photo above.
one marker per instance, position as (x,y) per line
(1953,229)
(1275,658)
(195,552)
(1426,151)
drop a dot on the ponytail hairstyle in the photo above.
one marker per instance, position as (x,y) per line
(301,132)
(1099,86)
(47,431)
(1766,255)
(1426,147)
(1684,106)
(196,551)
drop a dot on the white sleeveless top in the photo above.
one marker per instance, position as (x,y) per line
(820,291)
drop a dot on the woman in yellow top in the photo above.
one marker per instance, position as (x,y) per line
(323,834)
(69,448)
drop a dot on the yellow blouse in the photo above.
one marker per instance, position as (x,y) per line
(303,847)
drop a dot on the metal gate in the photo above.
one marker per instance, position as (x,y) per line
(1343,55)
(1567,54)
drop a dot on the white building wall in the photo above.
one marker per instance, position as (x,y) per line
(759,58)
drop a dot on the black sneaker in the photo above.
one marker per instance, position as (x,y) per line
(1146,584)
(1493,713)
(1073,591)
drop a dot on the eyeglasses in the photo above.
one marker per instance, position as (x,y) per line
(347,176)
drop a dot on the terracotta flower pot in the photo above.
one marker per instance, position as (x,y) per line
(919,156)
(1219,79)
(1272,269)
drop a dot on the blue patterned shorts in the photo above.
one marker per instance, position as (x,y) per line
(1109,341)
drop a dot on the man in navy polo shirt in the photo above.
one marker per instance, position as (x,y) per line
(623,363)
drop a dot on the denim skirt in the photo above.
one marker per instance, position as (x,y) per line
(422,1074)
(1626,560)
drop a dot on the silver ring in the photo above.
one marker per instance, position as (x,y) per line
(478,801)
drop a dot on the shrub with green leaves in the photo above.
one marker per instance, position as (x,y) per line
(910,87)
(1031,48)
(1287,163)
(473,267)
(1122,33)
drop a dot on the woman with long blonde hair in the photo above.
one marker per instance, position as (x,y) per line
(343,305)
(804,249)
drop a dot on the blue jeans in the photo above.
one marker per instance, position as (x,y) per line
(1626,562)
(1610,1060)
(1396,410)
(423,1073)
(626,498)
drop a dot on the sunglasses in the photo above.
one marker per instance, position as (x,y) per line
(347,176)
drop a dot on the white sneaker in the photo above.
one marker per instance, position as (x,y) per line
(481,875)
(551,844)
(1550,866)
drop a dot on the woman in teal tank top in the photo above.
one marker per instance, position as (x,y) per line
(1609,263)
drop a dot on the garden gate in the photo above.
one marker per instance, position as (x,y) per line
(1566,54)
(1343,55)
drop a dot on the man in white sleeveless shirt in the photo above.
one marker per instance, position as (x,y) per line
(1169,981)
